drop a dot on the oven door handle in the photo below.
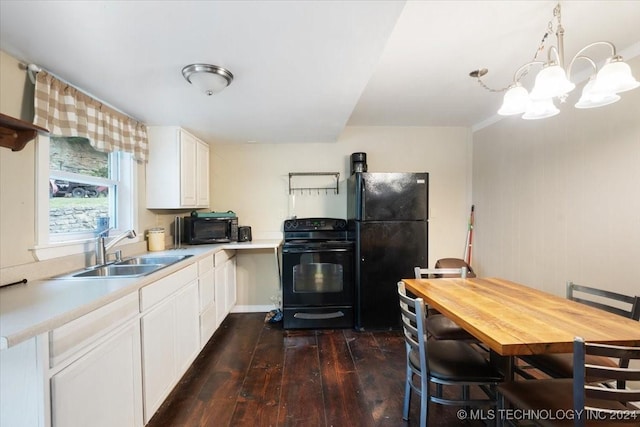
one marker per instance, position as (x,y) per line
(310,251)
(316,316)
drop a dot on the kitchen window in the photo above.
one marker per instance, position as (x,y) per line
(80,192)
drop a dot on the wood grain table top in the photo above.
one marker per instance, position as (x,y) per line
(516,320)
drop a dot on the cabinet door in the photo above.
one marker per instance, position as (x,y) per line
(159,361)
(220,294)
(188,170)
(163,168)
(207,289)
(206,285)
(187,327)
(230,281)
(202,178)
(208,324)
(102,388)
(21,386)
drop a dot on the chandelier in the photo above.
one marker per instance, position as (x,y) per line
(554,80)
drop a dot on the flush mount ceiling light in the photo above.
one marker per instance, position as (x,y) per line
(554,81)
(209,79)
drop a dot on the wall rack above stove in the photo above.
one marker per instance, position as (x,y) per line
(311,189)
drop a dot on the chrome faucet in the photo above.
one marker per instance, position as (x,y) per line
(102,248)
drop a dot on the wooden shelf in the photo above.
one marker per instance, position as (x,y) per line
(15,133)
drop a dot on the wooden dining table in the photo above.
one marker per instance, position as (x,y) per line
(516,320)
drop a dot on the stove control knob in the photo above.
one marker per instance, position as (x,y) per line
(341,224)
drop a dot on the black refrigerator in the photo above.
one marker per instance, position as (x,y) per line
(388,219)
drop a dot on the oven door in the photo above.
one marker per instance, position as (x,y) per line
(317,274)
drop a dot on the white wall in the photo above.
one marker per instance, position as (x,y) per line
(17,192)
(559,199)
(17,170)
(252,180)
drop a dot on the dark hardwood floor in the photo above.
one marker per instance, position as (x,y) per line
(256,374)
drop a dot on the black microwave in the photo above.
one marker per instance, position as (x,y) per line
(197,230)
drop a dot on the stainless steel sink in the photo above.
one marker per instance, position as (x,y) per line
(119,271)
(146,260)
(131,267)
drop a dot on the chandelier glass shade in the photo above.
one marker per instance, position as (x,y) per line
(553,81)
(615,77)
(540,109)
(515,101)
(592,97)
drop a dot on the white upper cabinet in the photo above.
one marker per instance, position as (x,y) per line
(178,169)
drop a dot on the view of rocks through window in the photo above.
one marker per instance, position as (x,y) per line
(75,206)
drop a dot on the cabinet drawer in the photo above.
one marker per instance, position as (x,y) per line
(159,290)
(70,338)
(205,265)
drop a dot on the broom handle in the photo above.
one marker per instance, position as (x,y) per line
(469,244)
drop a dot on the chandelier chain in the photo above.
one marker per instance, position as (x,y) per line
(541,48)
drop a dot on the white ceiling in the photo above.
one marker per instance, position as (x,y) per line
(303,69)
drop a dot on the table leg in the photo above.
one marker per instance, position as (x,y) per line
(503,363)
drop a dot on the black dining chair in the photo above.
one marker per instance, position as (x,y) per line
(560,365)
(438,326)
(454,263)
(441,362)
(574,401)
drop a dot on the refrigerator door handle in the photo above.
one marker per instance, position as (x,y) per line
(362,199)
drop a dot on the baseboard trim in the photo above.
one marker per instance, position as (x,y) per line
(252,308)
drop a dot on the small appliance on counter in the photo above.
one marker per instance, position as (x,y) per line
(244,233)
(210,227)
(155,237)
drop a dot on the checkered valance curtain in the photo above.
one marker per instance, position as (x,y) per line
(66,111)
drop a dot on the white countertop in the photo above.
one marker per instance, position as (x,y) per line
(36,307)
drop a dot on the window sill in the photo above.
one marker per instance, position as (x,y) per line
(58,250)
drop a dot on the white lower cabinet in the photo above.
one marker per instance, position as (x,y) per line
(103,387)
(115,365)
(206,288)
(187,327)
(23,399)
(158,343)
(230,282)
(170,336)
(225,283)
(220,295)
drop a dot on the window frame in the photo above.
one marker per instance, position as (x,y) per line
(125,205)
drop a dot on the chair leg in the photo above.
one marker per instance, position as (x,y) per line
(424,400)
(499,420)
(407,395)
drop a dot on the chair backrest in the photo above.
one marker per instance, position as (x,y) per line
(455,263)
(608,397)
(612,302)
(412,313)
(426,273)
